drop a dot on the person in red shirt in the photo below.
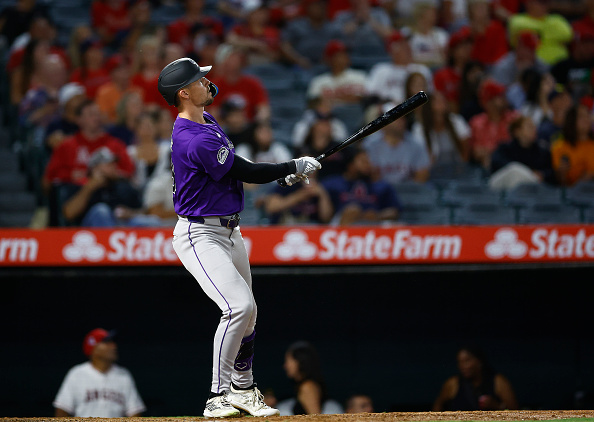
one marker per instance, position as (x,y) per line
(256,36)
(490,35)
(91,73)
(181,31)
(231,80)
(490,128)
(447,79)
(146,68)
(69,161)
(110,18)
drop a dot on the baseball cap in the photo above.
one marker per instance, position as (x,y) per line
(528,39)
(95,337)
(114,62)
(490,89)
(333,47)
(460,36)
(69,91)
(395,36)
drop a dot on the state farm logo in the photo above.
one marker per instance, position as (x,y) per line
(506,243)
(295,244)
(121,246)
(84,246)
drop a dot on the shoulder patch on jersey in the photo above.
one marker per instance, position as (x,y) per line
(222,155)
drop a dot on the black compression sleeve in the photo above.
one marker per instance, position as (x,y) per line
(249,172)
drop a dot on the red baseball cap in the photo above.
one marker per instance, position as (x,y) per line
(95,337)
(114,62)
(460,36)
(333,47)
(395,36)
(528,39)
(490,89)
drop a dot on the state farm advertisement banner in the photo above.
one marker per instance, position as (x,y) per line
(308,245)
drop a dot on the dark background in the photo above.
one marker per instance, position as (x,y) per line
(391,332)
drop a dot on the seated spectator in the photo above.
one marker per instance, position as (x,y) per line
(157,199)
(508,68)
(574,72)
(536,88)
(256,36)
(359,403)
(386,81)
(573,155)
(140,26)
(318,140)
(490,128)
(551,126)
(477,387)
(342,84)
(303,366)
(28,73)
(110,18)
(146,67)
(100,378)
(149,156)
(229,76)
(447,79)
(40,105)
(304,38)
(69,161)
(319,107)
(396,154)
(164,125)
(427,41)
(110,93)
(128,110)
(362,27)
(181,31)
(301,203)
(553,30)
(488,34)
(78,35)
(444,134)
(262,148)
(106,199)
(357,198)
(234,120)
(415,82)
(522,160)
(92,72)
(70,97)
(469,102)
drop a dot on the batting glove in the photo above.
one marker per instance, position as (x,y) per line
(306,165)
(291,179)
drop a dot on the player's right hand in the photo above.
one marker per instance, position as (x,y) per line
(291,179)
(306,165)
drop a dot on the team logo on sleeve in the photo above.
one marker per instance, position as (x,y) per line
(222,155)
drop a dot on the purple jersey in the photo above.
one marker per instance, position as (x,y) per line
(201,156)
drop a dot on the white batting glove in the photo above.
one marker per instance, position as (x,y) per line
(291,179)
(306,165)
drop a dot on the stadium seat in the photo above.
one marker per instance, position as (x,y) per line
(15,218)
(460,193)
(18,201)
(483,213)
(581,194)
(442,175)
(9,183)
(532,193)
(416,196)
(549,213)
(433,216)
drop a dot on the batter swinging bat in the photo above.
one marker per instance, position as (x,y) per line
(385,119)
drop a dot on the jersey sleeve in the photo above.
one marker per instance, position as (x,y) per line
(134,404)
(65,398)
(211,155)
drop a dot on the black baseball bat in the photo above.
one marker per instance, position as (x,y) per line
(384,120)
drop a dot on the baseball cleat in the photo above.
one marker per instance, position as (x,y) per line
(250,401)
(219,407)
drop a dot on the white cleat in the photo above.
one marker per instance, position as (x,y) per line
(219,407)
(250,401)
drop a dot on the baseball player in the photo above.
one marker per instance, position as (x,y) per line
(208,197)
(99,387)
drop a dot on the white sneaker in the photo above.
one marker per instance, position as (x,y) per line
(250,401)
(219,407)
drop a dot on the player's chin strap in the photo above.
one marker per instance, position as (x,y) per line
(214,90)
(245,356)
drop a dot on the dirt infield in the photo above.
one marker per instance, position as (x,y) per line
(508,415)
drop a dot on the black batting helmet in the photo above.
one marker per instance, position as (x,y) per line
(178,74)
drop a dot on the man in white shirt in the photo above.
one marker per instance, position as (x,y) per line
(387,80)
(99,387)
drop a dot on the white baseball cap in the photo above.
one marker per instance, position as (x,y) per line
(70,90)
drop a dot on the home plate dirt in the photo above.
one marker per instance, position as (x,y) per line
(508,415)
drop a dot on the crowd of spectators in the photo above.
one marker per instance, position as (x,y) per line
(510,86)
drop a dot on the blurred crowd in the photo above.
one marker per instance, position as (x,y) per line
(510,84)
